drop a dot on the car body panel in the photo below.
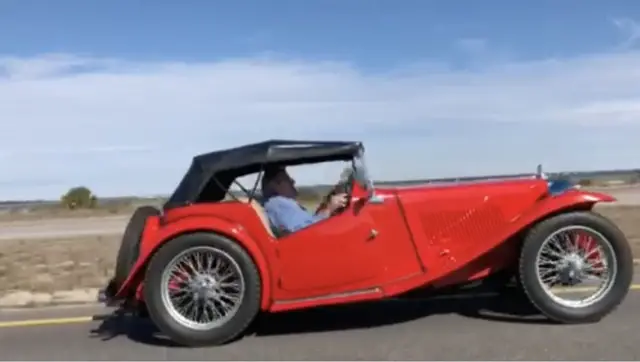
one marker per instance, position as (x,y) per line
(218,218)
(332,256)
(457,260)
(455,224)
(358,250)
(384,244)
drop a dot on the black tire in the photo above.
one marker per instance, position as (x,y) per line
(130,245)
(141,310)
(181,334)
(533,288)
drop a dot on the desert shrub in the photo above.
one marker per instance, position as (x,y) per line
(79,198)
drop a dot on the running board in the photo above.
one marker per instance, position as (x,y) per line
(328,299)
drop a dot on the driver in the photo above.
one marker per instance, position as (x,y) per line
(283,211)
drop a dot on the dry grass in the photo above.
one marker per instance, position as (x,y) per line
(59,213)
(39,212)
(58,264)
(88,262)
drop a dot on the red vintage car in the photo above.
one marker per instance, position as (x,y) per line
(204,265)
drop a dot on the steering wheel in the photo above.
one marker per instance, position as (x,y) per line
(343,186)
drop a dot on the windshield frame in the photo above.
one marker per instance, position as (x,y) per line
(361,172)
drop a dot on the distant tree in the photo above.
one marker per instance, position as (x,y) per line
(79,198)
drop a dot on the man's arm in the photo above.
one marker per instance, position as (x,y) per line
(288,215)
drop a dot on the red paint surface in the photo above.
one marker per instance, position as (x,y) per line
(426,235)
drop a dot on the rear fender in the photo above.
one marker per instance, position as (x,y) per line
(155,236)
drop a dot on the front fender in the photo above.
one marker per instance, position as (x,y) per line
(573,199)
(156,236)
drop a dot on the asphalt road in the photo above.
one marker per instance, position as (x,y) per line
(482,328)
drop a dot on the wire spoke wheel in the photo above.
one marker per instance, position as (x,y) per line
(202,288)
(576,261)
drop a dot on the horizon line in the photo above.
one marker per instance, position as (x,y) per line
(572,174)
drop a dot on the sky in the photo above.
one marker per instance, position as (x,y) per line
(119,95)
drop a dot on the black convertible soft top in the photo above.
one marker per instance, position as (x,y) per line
(211,174)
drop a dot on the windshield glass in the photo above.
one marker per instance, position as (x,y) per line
(360,172)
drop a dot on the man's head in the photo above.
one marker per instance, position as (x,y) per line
(276,181)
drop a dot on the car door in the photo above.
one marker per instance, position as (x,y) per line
(334,255)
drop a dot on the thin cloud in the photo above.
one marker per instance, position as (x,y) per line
(495,118)
(27,151)
(51,65)
(630,30)
(472,45)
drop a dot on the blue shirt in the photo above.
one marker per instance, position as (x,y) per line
(287,215)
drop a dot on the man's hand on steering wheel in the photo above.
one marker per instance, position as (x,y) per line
(334,204)
(336,189)
(338,202)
